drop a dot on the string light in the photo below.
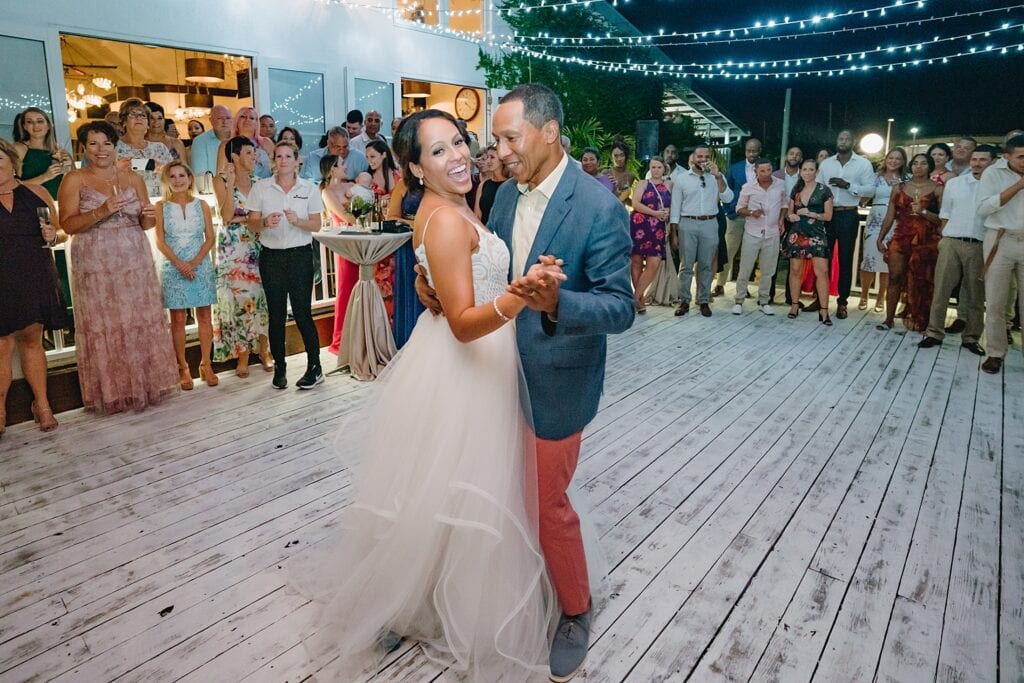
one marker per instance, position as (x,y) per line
(774,63)
(761,26)
(562,5)
(298,118)
(837,70)
(569,43)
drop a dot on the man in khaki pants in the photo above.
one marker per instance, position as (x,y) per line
(961,257)
(1001,201)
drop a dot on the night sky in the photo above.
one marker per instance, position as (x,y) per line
(980,94)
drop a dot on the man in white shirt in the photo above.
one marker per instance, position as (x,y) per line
(762,204)
(1001,202)
(694,226)
(850,177)
(960,257)
(371,132)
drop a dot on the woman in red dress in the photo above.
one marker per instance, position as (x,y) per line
(914,248)
(385,174)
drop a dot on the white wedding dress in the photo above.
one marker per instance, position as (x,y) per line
(439,544)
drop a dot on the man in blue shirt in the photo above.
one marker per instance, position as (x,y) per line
(204,147)
(337,144)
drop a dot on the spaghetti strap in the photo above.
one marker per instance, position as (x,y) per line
(423,235)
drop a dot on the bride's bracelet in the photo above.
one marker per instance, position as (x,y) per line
(504,318)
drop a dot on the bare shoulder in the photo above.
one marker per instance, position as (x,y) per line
(447,226)
(39,191)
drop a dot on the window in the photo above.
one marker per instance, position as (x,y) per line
(297,100)
(23,81)
(379,96)
(466,16)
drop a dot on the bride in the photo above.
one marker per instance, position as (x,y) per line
(440,541)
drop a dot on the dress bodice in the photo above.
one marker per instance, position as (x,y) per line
(490,264)
(883,191)
(127,217)
(184,227)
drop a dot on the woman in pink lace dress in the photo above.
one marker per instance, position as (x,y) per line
(123,343)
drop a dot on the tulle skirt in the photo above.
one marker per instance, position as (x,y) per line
(439,543)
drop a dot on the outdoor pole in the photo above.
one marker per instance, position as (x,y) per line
(888,130)
(785,127)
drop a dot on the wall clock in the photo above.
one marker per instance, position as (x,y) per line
(467,103)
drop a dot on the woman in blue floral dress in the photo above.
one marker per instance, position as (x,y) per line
(651,202)
(240,322)
(184,236)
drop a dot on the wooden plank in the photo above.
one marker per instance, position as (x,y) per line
(915,628)
(854,645)
(1011,603)
(970,634)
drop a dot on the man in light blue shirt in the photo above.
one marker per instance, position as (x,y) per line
(205,146)
(337,144)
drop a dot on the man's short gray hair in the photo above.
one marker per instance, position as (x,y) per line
(540,104)
(336,131)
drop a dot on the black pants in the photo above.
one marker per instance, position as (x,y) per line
(288,274)
(843,229)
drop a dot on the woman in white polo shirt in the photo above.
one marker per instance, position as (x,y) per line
(284,209)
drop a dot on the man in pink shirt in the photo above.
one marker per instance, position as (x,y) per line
(762,204)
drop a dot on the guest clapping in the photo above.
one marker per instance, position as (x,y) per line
(284,209)
(31,299)
(125,355)
(240,320)
(184,235)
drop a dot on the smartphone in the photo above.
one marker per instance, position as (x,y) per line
(140,164)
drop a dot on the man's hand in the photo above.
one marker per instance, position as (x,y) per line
(839,182)
(673,236)
(273,220)
(540,286)
(428,297)
(292,217)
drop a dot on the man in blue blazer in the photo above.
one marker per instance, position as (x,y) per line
(739,174)
(551,207)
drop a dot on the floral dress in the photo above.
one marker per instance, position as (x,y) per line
(648,232)
(240,316)
(872,261)
(807,237)
(918,240)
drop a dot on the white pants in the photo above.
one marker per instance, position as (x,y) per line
(1007,267)
(765,250)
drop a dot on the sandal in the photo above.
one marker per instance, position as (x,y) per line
(185,378)
(885,326)
(794,311)
(44,416)
(826,320)
(266,361)
(863,305)
(208,375)
(879,308)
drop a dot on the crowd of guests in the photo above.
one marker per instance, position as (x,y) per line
(944,223)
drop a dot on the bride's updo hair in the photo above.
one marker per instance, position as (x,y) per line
(407,144)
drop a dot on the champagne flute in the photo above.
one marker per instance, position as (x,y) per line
(43,213)
(115,189)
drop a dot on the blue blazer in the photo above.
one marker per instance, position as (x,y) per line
(587,227)
(736,178)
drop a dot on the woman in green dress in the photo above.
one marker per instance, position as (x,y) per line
(43,161)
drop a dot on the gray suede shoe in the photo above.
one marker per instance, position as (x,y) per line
(569,649)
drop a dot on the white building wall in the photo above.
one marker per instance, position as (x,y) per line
(310,35)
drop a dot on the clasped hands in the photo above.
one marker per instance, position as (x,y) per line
(540,286)
(274,219)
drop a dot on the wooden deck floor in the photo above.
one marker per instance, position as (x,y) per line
(779,501)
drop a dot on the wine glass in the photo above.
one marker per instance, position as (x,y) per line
(115,189)
(43,213)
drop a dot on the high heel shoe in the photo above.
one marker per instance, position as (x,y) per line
(185,378)
(826,320)
(44,416)
(794,311)
(266,361)
(208,375)
(863,305)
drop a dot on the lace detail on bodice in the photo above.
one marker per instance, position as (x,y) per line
(490,265)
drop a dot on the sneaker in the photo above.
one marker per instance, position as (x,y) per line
(280,377)
(569,648)
(767,309)
(737,309)
(314,375)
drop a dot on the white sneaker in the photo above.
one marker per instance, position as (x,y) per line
(737,309)
(767,309)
